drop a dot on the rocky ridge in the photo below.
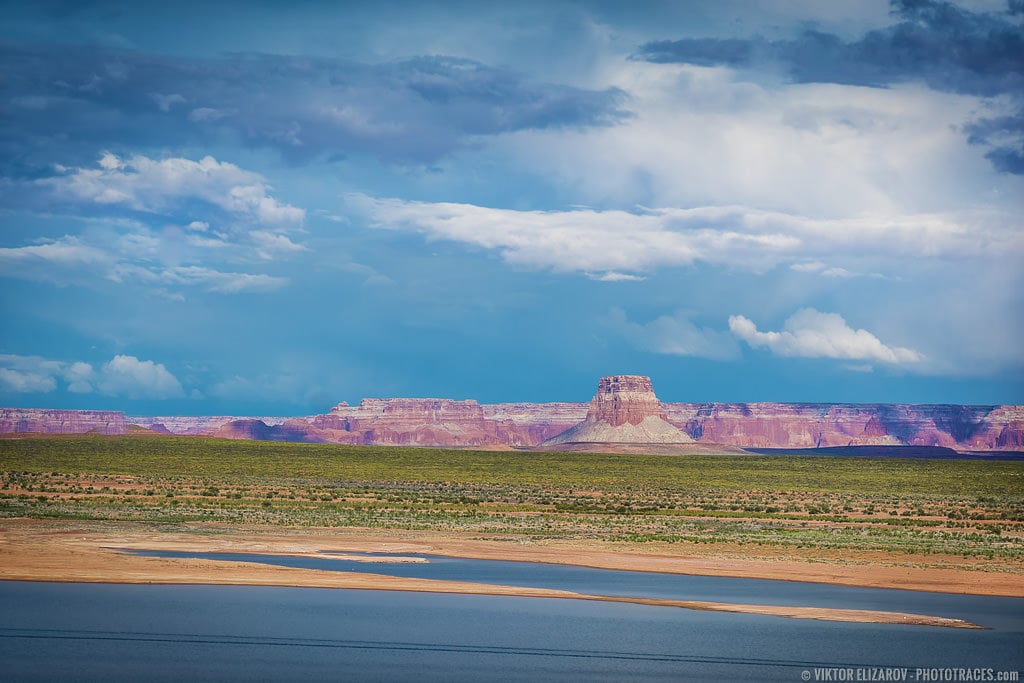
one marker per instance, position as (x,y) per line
(630,412)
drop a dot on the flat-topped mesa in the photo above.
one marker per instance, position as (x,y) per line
(409,422)
(624,399)
(624,410)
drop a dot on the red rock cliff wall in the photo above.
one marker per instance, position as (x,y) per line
(444,422)
(413,422)
(813,425)
(14,420)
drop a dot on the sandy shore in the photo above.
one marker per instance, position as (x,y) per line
(42,550)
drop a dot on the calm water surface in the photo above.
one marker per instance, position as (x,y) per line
(987,611)
(93,632)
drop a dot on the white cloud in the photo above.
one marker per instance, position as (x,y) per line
(208,278)
(811,334)
(582,240)
(833,271)
(80,377)
(58,261)
(66,250)
(333,217)
(165,102)
(235,283)
(808,267)
(123,375)
(161,186)
(209,114)
(178,249)
(269,244)
(612,276)
(674,335)
(619,244)
(373,277)
(129,377)
(21,382)
(705,136)
(207,242)
(29,374)
(860,367)
(836,272)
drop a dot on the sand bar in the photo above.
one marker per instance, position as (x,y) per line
(44,550)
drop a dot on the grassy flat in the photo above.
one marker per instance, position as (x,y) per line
(948,508)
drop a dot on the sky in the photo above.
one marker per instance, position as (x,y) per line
(266,208)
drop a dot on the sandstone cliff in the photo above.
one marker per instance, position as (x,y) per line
(630,412)
(19,420)
(412,422)
(816,425)
(444,422)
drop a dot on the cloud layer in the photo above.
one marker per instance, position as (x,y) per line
(415,110)
(168,224)
(165,185)
(611,244)
(950,48)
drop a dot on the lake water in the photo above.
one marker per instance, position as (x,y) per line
(93,632)
(975,609)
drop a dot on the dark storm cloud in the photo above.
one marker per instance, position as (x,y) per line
(1004,135)
(947,47)
(702,51)
(61,102)
(950,48)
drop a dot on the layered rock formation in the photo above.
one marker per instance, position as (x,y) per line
(444,422)
(410,422)
(817,425)
(770,425)
(624,410)
(21,420)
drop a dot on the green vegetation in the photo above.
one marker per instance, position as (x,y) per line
(251,460)
(948,507)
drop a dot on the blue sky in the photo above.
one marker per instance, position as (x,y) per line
(270,207)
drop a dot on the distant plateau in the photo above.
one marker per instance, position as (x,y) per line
(624,416)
